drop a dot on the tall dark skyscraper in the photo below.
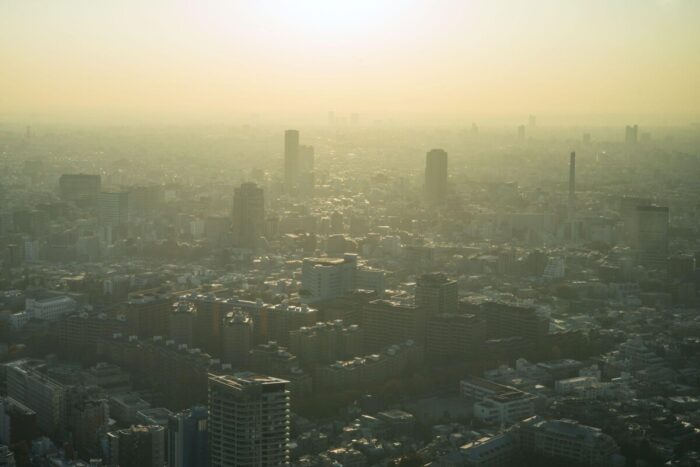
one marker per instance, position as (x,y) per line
(436,176)
(248,215)
(291,159)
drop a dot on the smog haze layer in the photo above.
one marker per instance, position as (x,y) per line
(438,61)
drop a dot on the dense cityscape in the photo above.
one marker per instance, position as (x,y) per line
(350,294)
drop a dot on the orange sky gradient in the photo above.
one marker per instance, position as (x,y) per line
(165,60)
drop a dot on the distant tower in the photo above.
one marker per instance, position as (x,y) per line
(291,159)
(28,133)
(248,215)
(572,185)
(521,132)
(436,176)
(631,134)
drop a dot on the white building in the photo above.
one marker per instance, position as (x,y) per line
(503,409)
(568,440)
(50,308)
(328,278)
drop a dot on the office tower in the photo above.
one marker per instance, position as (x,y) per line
(631,134)
(628,216)
(291,159)
(88,419)
(237,338)
(147,315)
(572,186)
(188,438)
(181,323)
(27,384)
(137,446)
(521,132)
(436,176)
(651,241)
(386,323)
(248,216)
(586,138)
(248,420)
(79,187)
(113,208)
(436,294)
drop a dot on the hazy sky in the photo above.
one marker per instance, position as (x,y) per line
(181,59)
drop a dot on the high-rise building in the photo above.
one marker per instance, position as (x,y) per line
(237,338)
(628,215)
(248,216)
(113,213)
(88,419)
(330,278)
(387,322)
(436,176)
(188,443)
(631,134)
(181,323)
(113,208)
(147,315)
(651,240)
(437,294)
(137,446)
(248,420)
(291,159)
(27,384)
(17,422)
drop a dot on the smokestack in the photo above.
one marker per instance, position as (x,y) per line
(572,185)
